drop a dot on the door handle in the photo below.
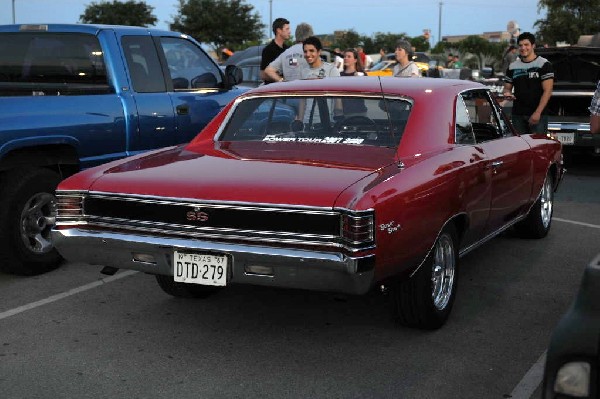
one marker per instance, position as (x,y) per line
(182,109)
(497,164)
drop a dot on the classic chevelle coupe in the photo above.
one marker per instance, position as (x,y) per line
(338,184)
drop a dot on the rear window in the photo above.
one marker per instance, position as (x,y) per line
(319,119)
(51,64)
(51,58)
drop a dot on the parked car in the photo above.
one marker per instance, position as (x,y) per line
(576,72)
(386,67)
(73,96)
(573,358)
(341,185)
(250,71)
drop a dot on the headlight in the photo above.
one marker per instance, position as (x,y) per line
(573,379)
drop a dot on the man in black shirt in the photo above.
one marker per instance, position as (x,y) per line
(281,29)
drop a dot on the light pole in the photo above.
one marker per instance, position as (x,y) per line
(270,19)
(440,23)
(13,9)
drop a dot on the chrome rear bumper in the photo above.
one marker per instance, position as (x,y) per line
(280,267)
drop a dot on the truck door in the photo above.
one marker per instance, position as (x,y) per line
(156,118)
(195,84)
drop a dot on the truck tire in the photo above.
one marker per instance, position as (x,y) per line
(425,299)
(183,290)
(27,214)
(539,219)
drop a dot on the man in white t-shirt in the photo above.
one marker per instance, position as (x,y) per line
(289,65)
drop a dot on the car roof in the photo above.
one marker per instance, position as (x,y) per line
(414,88)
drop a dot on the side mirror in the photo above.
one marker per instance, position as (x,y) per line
(233,75)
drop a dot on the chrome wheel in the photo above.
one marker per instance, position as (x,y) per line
(443,269)
(546,203)
(37,219)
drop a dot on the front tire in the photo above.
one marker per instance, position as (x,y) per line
(539,219)
(27,214)
(184,290)
(425,300)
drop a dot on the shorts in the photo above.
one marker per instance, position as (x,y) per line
(521,124)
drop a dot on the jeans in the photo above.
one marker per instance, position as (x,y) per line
(521,124)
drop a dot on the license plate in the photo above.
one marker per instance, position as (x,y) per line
(565,138)
(197,268)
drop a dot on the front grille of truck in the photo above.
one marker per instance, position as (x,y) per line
(251,223)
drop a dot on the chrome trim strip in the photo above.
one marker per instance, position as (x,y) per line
(221,237)
(215,204)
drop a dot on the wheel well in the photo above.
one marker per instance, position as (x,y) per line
(63,159)
(553,171)
(461,223)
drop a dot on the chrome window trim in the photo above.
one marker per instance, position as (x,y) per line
(370,95)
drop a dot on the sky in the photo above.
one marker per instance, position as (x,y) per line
(366,17)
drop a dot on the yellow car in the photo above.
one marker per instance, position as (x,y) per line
(386,67)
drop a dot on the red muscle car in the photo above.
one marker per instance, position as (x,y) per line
(338,184)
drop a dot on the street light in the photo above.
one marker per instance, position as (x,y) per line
(13,9)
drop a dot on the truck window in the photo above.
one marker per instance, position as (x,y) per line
(52,58)
(143,63)
(190,67)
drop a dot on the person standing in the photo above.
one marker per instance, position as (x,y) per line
(352,64)
(405,68)
(595,111)
(510,56)
(532,78)
(289,64)
(353,67)
(282,32)
(449,62)
(456,64)
(339,59)
(317,67)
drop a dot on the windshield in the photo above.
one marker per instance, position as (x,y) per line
(351,120)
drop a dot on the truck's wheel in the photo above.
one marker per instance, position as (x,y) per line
(425,300)
(183,290)
(538,220)
(27,214)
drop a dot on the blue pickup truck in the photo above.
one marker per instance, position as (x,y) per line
(75,96)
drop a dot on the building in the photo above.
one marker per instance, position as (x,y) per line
(493,37)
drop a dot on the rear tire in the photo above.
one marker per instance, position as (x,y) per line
(425,300)
(27,214)
(539,219)
(183,290)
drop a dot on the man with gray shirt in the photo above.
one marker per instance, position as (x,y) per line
(290,63)
(317,69)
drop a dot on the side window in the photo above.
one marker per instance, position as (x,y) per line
(464,129)
(144,66)
(50,58)
(189,66)
(482,115)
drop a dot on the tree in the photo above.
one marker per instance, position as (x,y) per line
(348,39)
(133,13)
(387,41)
(566,20)
(482,49)
(219,23)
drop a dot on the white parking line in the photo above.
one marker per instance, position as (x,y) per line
(594,226)
(532,379)
(65,294)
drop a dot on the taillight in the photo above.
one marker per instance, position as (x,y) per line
(358,229)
